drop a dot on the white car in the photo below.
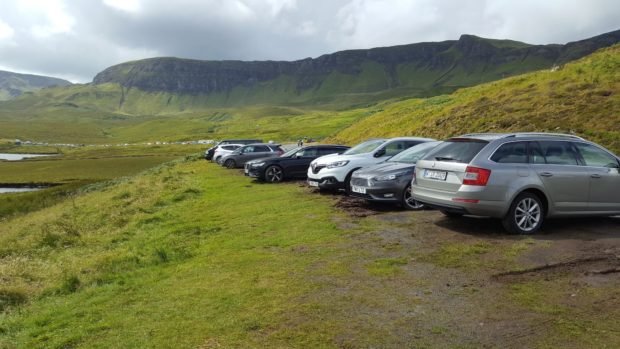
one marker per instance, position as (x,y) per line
(223,150)
(334,171)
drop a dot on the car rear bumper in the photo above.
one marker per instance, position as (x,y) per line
(464,202)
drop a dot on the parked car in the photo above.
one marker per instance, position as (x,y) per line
(521,178)
(209,152)
(222,150)
(250,152)
(334,171)
(390,181)
(292,164)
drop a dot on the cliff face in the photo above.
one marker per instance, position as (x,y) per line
(14,84)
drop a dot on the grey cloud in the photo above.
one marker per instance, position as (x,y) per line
(101,36)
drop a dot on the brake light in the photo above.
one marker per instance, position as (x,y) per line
(476,176)
(468,201)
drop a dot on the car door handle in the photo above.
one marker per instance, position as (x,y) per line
(546,174)
(595,176)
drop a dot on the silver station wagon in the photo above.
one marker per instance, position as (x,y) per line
(521,178)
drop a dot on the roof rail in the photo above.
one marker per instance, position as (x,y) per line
(542,134)
(483,134)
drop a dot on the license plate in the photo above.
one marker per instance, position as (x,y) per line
(357,189)
(313,183)
(437,175)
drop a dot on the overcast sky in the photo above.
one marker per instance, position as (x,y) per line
(77,39)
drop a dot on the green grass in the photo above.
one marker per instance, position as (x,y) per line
(582,97)
(459,255)
(74,169)
(165,259)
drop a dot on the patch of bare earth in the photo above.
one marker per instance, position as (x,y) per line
(391,287)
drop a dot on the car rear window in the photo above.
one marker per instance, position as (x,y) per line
(457,150)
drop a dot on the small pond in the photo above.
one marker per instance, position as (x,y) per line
(19,190)
(17,157)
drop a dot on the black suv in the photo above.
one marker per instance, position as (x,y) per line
(292,164)
(209,152)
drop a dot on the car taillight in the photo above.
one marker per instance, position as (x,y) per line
(476,176)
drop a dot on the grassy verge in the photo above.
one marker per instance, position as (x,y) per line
(181,256)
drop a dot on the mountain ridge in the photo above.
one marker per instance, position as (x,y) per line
(419,69)
(15,84)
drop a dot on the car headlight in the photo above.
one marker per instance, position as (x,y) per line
(389,177)
(257,164)
(337,164)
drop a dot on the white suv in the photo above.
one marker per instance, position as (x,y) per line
(334,171)
(223,150)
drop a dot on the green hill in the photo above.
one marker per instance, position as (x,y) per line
(13,84)
(582,97)
(352,76)
(111,112)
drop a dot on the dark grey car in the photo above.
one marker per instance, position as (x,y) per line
(390,181)
(250,152)
(521,178)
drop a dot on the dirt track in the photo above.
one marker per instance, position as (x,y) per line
(465,282)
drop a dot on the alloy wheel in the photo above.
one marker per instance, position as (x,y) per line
(410,202)
(274,174)
(527,214)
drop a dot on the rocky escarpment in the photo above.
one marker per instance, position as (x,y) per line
(423,67)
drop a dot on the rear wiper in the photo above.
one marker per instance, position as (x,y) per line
(443,158)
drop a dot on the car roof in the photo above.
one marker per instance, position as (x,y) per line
(531,135)
(267,144)
(410,139)
(328,145)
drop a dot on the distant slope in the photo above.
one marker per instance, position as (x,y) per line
(423,69)
(15,84)
(581,97)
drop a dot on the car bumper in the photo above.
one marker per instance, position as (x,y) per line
(253,172)
(391,191)
(464,202)
(338,173)
(330,183)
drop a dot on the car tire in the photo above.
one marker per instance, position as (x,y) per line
(525,215)
(274,174)
(230,163)
(451,214)
(408,203)
(347,184)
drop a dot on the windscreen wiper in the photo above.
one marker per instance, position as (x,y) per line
(443,158)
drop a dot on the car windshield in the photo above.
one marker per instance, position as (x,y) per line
(365,147)
(290,152)
(413,154)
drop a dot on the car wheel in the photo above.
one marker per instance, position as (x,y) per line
(408,202)
(274,174)
(451,214)
(347,183)
(525,215)
(230,163)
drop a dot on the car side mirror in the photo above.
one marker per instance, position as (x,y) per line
(299,155)
(380,153)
